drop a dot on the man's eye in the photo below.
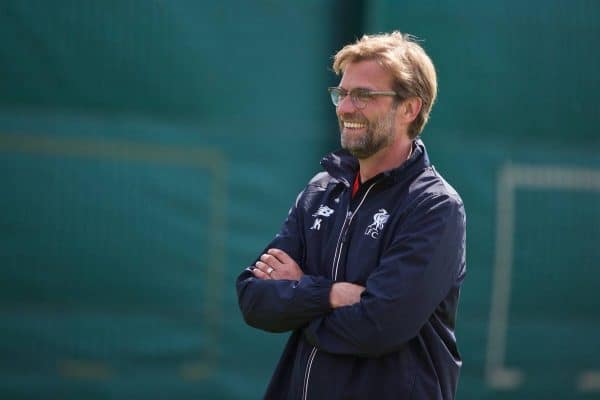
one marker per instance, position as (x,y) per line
(362,95)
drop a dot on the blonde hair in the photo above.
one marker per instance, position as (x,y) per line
(400,54)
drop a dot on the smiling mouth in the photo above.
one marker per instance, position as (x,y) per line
(353,125)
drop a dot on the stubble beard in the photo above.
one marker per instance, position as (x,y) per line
(377,136)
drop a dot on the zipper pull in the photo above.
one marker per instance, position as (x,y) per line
(346,226)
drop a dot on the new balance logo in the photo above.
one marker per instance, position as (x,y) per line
(323,211)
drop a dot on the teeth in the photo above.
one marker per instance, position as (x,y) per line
(353,125)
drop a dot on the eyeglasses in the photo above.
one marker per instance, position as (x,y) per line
(359,97)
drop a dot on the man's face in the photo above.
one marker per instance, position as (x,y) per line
(366,131)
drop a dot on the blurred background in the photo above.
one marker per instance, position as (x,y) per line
(149,150)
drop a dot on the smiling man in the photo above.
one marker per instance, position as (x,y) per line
(367,268)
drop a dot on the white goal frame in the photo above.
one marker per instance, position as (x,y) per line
(512,177)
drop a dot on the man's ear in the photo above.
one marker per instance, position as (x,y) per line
(411,108)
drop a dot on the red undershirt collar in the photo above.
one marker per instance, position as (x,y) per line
(356,184)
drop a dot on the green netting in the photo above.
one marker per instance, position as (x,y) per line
(149,149)
(137,140)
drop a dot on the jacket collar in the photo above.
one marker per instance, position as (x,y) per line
(343,166)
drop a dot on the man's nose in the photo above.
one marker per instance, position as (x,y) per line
(345,105)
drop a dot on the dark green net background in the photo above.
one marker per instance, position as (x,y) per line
(150,149)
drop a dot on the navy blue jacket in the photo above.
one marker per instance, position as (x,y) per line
(402,236)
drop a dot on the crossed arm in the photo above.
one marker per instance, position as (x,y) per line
(415,274)
(277,264)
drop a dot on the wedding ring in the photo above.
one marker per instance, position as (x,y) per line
(270,271)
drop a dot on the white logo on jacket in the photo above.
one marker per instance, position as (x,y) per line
(323,211)
(379,220)
(316,225)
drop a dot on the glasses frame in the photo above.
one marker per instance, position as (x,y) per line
(353,95)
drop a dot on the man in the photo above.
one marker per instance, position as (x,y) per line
(367,268)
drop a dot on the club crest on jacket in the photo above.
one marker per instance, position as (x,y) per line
(379,220)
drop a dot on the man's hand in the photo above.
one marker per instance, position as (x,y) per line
(345,294)
(277,264)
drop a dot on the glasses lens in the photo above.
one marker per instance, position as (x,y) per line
(360,98)
(335,95)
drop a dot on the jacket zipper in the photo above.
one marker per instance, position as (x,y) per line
(339,244)
(344,232)
(311,357)
(337,255)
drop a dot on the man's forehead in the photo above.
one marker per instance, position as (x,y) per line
(366,74)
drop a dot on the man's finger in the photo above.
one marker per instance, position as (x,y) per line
(259,274)
(261,266)
(270,260)
(281,255)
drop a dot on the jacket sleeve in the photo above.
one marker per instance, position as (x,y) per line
(416,272)
(283,305)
